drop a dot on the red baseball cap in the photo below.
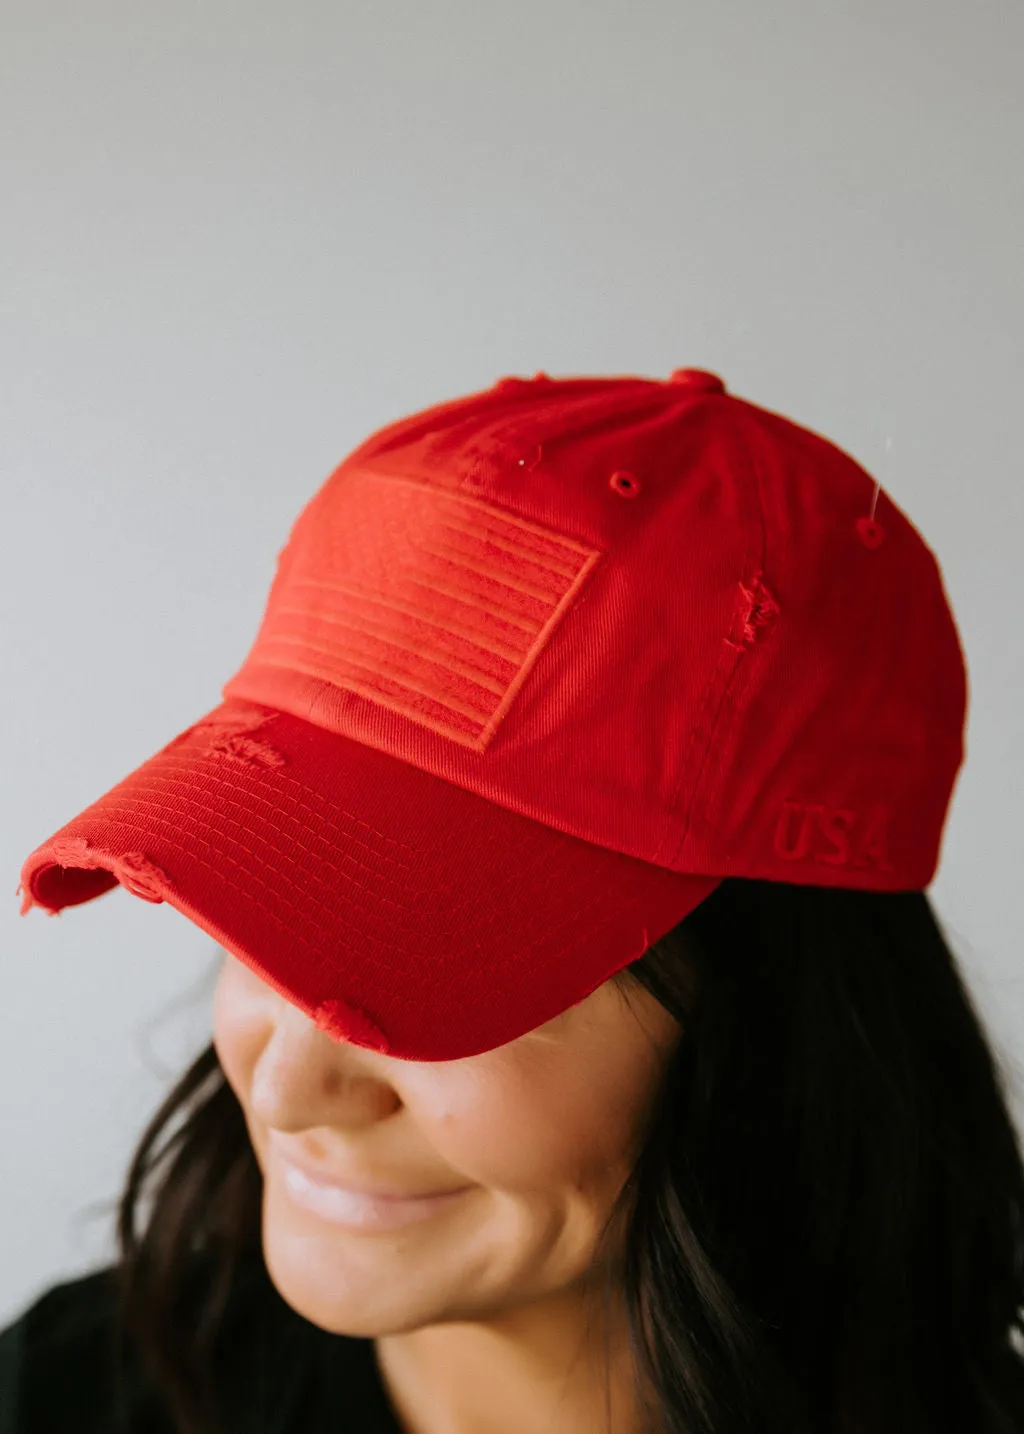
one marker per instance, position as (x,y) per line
(538,668)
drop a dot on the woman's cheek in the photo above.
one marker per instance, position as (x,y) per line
(242,1020)
(502,1127)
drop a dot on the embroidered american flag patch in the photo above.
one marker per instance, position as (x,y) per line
(432,603)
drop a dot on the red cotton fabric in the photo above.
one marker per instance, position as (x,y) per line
(538,668)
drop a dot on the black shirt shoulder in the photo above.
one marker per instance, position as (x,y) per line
(61,1369)
(54,1361)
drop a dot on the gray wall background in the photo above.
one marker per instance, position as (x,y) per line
(237,238)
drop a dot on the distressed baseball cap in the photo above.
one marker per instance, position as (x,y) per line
(539,667)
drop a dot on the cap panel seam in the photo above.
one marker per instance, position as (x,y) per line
(730,655)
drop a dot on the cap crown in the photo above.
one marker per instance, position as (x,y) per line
(649,614)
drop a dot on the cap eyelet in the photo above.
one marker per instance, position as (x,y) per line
(626,484)
(870,532)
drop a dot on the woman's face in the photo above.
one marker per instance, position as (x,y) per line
(542,1132)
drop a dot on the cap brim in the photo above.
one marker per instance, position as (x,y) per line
(399,911)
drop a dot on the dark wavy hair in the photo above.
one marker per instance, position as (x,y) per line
(823,1232)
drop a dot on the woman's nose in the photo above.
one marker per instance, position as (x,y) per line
(304,1077)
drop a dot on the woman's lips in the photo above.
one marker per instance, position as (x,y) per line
(354,1208)
(357,1184)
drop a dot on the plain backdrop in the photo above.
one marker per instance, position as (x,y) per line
(238,238)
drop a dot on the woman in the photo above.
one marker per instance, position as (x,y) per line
(587,1055)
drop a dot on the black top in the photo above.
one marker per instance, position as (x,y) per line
(277,1372)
